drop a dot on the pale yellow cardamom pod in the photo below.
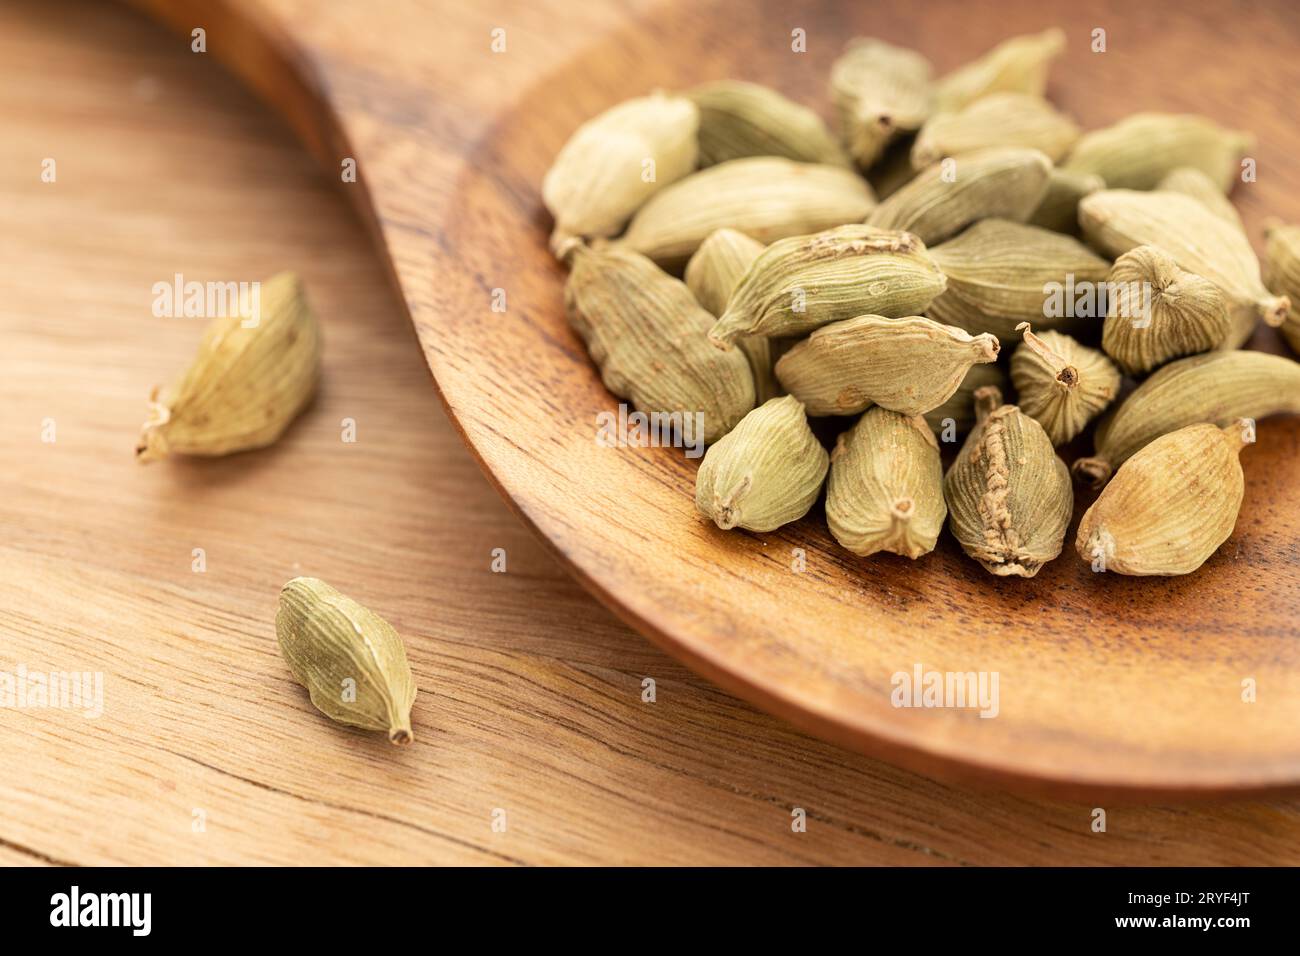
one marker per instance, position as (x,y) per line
(1283,268)
(1118,220)
(1061,384)
(255,370)
(1157,311)
(739,119)
(880,91)
(1009,495)
(909,365)
(766,472)
(955,416)
(1059,208)
(765,197)
(1140,150)
(712,275)
(799,284)
(349,658)
(886,486)
(1000,119)
(999,274)
(947,197)
(1216,387)
(1171,505)
(649,337)
(616,161)
(1193,182)
(1017,65)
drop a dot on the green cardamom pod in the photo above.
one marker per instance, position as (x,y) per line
(649,337)
(909,365)
(740,119)
(1283,267)
(616,161)
(999,274)
(886,486)
(1185,314)
(799,284)
(1059,208)
(950,195)
(349,658)
(1061,384)
(880,91)
(1191,181)
(1217,387)
(1000,119)
(765,472)
(1017,65)
(765,197)
(1171,505)
(1139,150)
(956,415)
(1009,495)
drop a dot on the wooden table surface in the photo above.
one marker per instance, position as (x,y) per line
(530,708)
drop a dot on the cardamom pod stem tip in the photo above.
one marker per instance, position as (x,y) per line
(1094,472)
(1273,309)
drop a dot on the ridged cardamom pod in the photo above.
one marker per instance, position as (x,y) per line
(1171,505)
(1217,387)
(879,91)
(1017,65)
(886,486)
(1283,268)
(1185,314)
(1139,150)
(950,195)
(602,175)
(799,284)
(765,472)
(1059,208)
(1000,119)
(349,658)
(1009,495)
(712,275)
(740,119)
(1191,181)
(251,377)
(908,365)
(765,197)
(998,275)
(956,415)
(1061,384)
(649,337)
(1118,220)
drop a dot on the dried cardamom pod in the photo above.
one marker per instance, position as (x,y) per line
(798,284)
(1062,385)
(1216,387)
(1118,220)
(1191,181)
(999,119)
(765,472)
(1139,150)
(1157,311)
(1171,505)
(956,415)
(765,197)
(712,275)
(599,178)
(879,91)
(251,377)
(1059,208)
(953,193)
(886,486)
(1283,268)
(1009,495)
(908,365)
(1000,273)
(650,338)
(349,658)
(740,119)
(1017,65)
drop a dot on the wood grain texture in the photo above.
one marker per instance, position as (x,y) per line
(530,692)
(1129,687)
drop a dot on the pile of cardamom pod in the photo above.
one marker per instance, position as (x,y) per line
(878,274)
